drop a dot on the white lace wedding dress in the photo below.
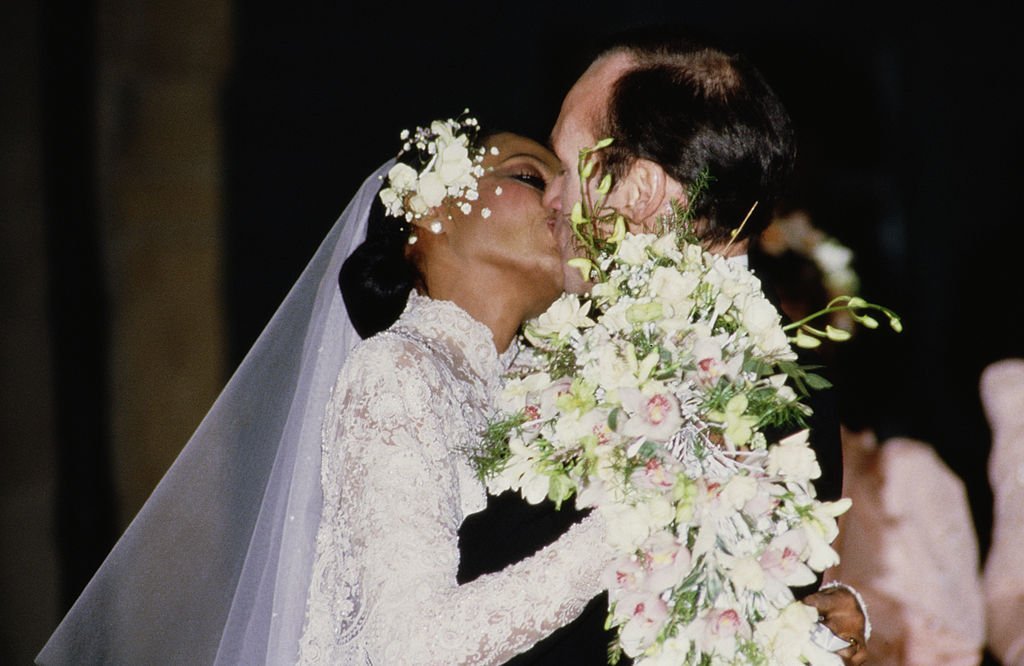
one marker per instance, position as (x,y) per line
(406,407)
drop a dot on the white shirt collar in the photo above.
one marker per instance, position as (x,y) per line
(739,260)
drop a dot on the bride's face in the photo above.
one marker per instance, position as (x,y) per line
(509,230)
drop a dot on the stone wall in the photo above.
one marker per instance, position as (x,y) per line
(161,66)
(28,568)
(158,144)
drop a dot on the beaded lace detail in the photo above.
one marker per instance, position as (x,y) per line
(397,485)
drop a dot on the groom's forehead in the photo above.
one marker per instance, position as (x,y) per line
(586,101)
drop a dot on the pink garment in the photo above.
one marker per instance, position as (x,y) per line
(1002,394)
(908,546)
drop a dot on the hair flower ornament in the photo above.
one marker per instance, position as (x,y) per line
(442,161)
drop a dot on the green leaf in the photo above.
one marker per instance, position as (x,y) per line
(757,366)
(613,419)
(647,450)
(817,382)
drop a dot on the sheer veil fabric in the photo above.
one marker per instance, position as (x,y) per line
(215,567)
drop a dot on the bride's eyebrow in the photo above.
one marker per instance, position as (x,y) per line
(535,159)
(516,155)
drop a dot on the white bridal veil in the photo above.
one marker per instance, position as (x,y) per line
(215,568)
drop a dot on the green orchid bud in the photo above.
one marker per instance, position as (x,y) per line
(588,170)
(565,402)
(739,431)
(684,493)
(868,321)
(857,302)
(603,143)
(576,216)
(606,184)
(570,402)
(896,324)
(584,394)
(806,341)
(639,313)
(619,232)
(737,405)
(583,265)
(836,334)
(560,488)
(685,490)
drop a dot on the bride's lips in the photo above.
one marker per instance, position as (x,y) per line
(554,224)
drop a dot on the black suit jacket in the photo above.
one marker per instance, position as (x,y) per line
(509,530)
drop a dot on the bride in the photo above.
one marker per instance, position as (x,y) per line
(319,524)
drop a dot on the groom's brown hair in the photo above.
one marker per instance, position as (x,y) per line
(690,107)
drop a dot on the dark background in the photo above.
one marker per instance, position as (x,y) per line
(910,153)
(909,135)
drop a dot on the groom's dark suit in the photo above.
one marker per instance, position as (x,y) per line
(510,530)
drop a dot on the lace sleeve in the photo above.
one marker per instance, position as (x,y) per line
(403,421)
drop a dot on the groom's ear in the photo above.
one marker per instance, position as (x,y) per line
(645,191)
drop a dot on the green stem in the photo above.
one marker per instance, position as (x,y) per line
(839,308)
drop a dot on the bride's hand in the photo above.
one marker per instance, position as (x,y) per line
(841,613)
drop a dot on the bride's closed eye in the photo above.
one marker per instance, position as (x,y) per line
(531,178)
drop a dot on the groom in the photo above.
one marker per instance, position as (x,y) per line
(674,108)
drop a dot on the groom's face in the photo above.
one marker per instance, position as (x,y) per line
(575,130)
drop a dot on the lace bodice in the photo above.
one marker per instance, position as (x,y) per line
(396,486)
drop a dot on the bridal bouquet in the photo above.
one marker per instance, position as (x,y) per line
(654,401)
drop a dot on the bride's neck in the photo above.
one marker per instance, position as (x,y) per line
(497,307)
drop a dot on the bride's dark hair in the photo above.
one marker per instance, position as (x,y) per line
(377,277)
